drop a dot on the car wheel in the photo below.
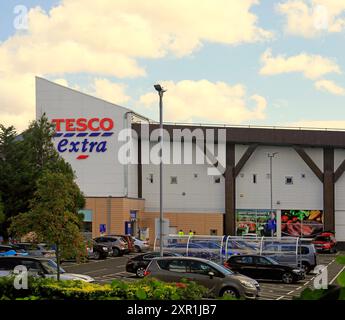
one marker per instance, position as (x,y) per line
(333,250)
(140,272)
(231,292)
(287,277)
(96,255)
(306,267)
(137,249)
(116,252)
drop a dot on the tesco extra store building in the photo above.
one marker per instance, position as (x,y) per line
(308,180)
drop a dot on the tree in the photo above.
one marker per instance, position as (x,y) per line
(23,159)
(53,215)
(2,215)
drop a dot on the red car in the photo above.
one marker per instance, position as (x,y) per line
(325,242)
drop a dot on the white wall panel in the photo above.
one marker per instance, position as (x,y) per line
(304,193)
(340,225)
(339,156)
(101,174)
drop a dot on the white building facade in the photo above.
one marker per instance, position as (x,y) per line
(308,187)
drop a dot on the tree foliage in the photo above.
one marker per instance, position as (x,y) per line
(23,160)
(53,215)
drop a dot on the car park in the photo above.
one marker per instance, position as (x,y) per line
(38,267)
(117,244)
(264,268)
(218,279)
(325,243)
(139,263)
(97,251)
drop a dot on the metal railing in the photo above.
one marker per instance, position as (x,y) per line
(222,125)
(285,250)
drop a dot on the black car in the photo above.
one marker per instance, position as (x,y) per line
(98,251)
(139,263)
(264,268)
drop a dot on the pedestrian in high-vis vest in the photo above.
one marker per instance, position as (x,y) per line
(191,233)
(181,233)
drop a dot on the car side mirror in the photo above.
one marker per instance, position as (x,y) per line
(211,274)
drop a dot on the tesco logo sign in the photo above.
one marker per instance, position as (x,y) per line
(83,136)
(83,124)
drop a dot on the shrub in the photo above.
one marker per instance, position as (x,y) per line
(146,289)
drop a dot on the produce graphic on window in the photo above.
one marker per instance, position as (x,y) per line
(301,223)
(260,222)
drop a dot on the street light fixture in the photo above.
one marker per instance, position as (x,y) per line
(160,91)
(271,156)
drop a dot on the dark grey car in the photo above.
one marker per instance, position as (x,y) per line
(216,278)
(117,245)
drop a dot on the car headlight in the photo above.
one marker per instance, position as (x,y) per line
(247,284)
(296,271)
(105,249)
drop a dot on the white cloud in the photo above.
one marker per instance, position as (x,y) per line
(206,101)
(110,91)
(101,88)
(17,94)
(312,18)
(312,66)
(107,37)
(330,86)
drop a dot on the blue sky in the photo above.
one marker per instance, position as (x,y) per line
(289,96)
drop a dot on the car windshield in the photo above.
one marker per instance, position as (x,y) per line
(51,267)
(220,268)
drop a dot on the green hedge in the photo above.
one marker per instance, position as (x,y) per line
(146,289)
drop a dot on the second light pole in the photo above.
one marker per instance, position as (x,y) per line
(271,156)
(160,91)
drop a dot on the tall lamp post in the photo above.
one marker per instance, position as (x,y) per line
(271,156)
(160,91)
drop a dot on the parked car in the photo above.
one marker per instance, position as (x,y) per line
(38,267)
(7,250)
(97,251)
(285,254)
(118,246)
(138,264)
(128,239)
(264,268)
(140,245)
(325,242)
(218,279)
(35,249)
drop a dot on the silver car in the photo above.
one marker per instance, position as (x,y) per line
(36,249)
(38,267)
(117,245)
(284,254)
(214,277)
